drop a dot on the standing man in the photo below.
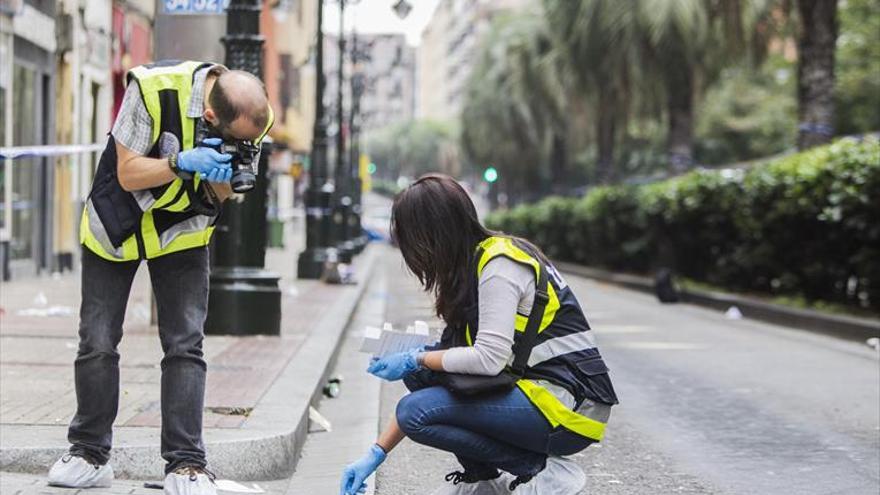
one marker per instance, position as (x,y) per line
(155,197)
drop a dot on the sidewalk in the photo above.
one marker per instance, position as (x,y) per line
(258,389)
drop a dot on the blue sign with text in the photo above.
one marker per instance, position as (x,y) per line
(194,6)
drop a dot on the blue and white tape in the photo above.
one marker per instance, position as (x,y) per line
(19,152)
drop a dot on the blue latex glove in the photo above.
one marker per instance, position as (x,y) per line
(203,160)
(355,473)
(218,175)
(395,366)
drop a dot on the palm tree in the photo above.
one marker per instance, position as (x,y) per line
(687,43)
(513,107)
(597,40)
(816,45)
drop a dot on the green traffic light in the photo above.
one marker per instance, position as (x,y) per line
(490,175)
(371,168)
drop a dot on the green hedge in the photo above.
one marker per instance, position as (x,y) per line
(387,188)
(805,225)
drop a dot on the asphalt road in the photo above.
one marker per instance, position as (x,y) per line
(708,405)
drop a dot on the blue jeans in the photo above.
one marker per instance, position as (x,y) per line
(180,284)
(501,431)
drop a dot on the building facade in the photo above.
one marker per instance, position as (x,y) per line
(62,80)
(84,100)
(449,48)
(28,109)
(387,63)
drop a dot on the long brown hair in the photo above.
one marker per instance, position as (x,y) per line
(435,224)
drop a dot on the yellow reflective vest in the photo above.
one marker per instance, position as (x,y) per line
(564,366)
(121,226)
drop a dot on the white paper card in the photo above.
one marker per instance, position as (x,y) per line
(381,343)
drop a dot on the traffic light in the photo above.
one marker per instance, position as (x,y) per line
(371,168)
(490,175)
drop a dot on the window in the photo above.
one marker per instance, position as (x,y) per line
(24,132)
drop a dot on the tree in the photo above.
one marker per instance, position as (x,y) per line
(857,68)
(597,41)
(512,118)
(816,46)
(413,148)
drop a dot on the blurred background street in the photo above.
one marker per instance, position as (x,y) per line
(722,156)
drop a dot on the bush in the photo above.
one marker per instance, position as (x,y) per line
(748,114)
(805,225)
(387,188)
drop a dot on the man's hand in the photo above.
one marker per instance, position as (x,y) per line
(205,161)
(219,175)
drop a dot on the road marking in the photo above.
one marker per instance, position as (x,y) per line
(622,329)
(661,346)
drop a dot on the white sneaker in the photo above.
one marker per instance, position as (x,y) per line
(190,480)
(72,471)
(561,476)
(458,485)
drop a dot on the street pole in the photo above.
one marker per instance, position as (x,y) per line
(342,205)
(354,228)
(244,297)
(320,192)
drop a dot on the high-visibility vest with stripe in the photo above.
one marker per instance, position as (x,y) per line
(564,360)
(119,225)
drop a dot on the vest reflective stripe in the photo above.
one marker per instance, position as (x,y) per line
(94,237)
(557,414)
(553,348)
(199,227)
(145,199)
(554,402)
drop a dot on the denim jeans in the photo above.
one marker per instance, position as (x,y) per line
(180,285)
(500,431)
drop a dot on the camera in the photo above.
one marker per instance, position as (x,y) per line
(244,162)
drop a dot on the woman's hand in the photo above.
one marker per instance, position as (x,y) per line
(395,366)
(355,473)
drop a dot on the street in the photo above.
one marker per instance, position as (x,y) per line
(708,405)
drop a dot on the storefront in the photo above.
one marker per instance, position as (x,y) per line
(28,102)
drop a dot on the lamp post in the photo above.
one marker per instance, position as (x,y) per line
(342,172)
(319,195)
(353,227)
(244,297)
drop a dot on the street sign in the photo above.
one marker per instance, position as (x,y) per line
(190,7)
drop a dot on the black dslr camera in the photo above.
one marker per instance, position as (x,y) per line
(244,162)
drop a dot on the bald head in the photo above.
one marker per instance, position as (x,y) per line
(239,104)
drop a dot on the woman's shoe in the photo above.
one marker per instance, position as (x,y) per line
(464,483)
(561,476)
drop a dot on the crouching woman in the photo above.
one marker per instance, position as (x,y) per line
(512,320)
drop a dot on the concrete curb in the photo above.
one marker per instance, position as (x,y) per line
(266,448)
(846,327)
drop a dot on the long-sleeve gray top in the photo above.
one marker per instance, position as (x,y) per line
(505,288)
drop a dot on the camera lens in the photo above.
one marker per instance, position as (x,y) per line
(243,181)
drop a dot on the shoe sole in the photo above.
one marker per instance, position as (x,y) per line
(59,484)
